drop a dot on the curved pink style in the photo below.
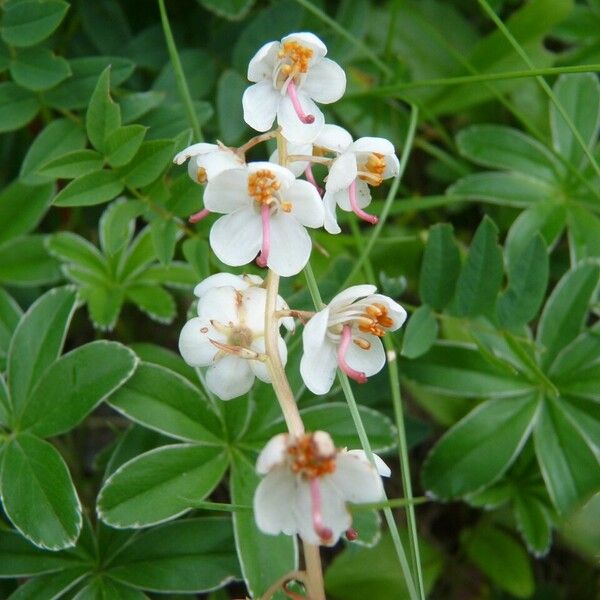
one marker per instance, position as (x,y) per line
(263,257)
(199,215)
(293,94)
(311,179)
(359,212)
(341,356)
(315,497)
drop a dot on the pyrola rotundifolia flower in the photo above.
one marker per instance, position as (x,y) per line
(368,161)
(266,209)
(346,334)
(205,162)
(308,482)
(289,77)
(228,337)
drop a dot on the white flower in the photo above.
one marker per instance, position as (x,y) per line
(228,337)
(368,161)
(347,334)
(266,209)
(308,483)
(289,77)
(206,161)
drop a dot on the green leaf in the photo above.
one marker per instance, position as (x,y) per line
(104,305)
(25,262)
(56,139)
(17,106)
(74,385)
(200,72)
(569,466)
(5,404)
(566,310)
(169,120)
(154,300)
(421,332)
(38,69)
(22,207)
(29,22)
(479,449)
(137,257)
(103,115)
(527,283)
(164,238)
(50,586)
(104,588)
(501,558)
(117,224)
(72,248)
(440,267)
(193,555)
(160,485)
(579,95)
(263,558)
(481,275)
(534,522)
(148,164)
(234,10)
(38,495)
(137,104)
(505,148)
(71,165)
(90,189)
(176,274)
(38,341)
(10,314)
(584,234)
(163,400)
(105,25)
(197,253)
(123,143)
(230,88)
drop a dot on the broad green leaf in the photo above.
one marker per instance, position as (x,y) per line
(72,248)
(480,448)
(10,314)
(103,115)
(192,555)
(263,558)
(154,300)
(29,22)
(24,261)
(584,414)
(163,400)
(186,196)
(569,466)
(566,309)
(506,189)
(230,88)
(90,189)
(163,357)
(197,253)
(481,275)
(584,234)
(421,332)
(505,148)
(501,558)
(160,485)
(440,267)
(22,207)
(176,274)
(104,305)
(38,69)
(74,385)
(148,164)
(579,359)
(38,494)
(17,106)
(104,588)
(527,283)
(71,165)
(169,119)
(233,10)
(84,277)
(117,224)
(57,138)
(38,341)
(123,143)
(106,25)
(534,522)
(164,238)
(138,256)
(137,104)
(50,586)
(200,72)
(579,95)
(5,404)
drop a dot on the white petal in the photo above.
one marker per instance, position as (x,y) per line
(329,205)
(396,312)
(392,166)
(291,127)
(319,361)
(273,454)
(193,150)
(217,162)
(373,144)
(350,295)
(369,361)
(284,176)
(219,304)
(194,342)
(258,367)
(229,377)
(363,196)
(302,511)
(336,515)
(382,468)
(236,238)
(290,245)
(273,500)
(254,301)
(315,331)
(342,173)
(220,280)
(325,82)
(334,138)
(307,206)
(357,480)
(262,64)
(260,102)
(308,40)
(227,192)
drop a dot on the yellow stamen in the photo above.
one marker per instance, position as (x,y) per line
(201,175)
(362,343)
(307,460)
(298,57)
(263,185)
(372,170)
(286,207)
(375,320)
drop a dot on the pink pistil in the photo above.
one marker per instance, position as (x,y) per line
(359,212)
(311,179)
(351,534)
(341,356)
(263,257)
(315,496)
(291,90)
(199,215)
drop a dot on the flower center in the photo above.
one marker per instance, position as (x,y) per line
(372,171)
(375,320)
(263,186)
(201,176)
(240,336)
(308,460)
(295,59)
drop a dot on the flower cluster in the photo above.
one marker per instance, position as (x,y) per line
(264,211)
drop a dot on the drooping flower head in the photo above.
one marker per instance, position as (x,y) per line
(266,210)
(289,77)
(308,482)
(347,334)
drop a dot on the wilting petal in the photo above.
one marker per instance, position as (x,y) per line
(292,128)
(290,245)
(307,204)
(325,82)
(194,342)
(229,377)
(236,238)
(260,102)
(194,150)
